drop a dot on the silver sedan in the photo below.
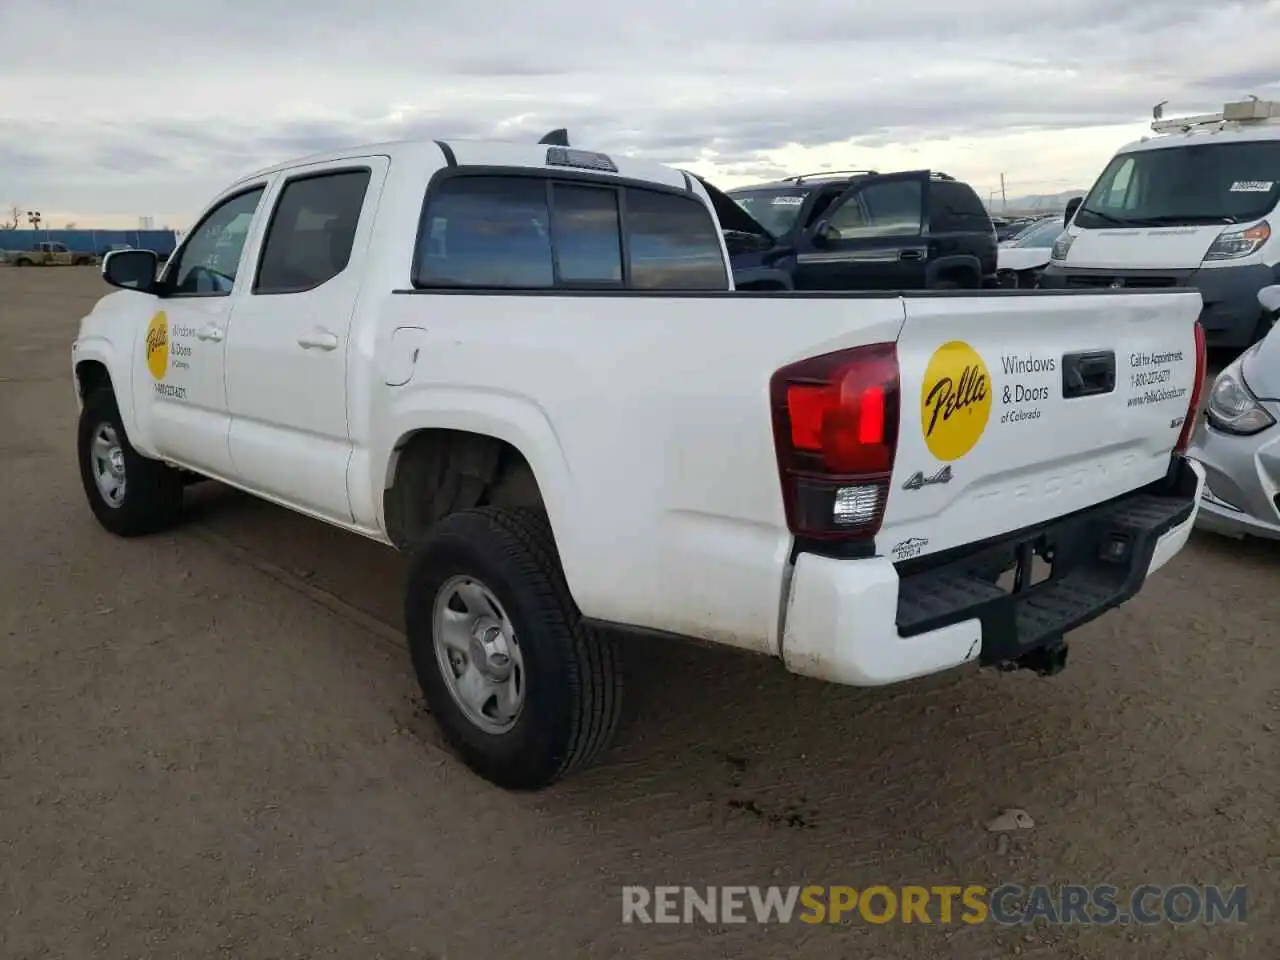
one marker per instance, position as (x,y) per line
(1238,440)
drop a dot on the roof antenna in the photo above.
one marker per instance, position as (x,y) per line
(556,138)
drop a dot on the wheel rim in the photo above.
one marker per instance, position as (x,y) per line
(478,654)
(107,455)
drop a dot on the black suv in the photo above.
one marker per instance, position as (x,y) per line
(858,230)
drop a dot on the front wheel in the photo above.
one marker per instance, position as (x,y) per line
(522,689)
(131,495)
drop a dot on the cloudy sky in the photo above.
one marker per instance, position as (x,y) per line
(117,109)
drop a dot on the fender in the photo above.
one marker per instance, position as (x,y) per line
(99,349)
(937,267)
(513,418)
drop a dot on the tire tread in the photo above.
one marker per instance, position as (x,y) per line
(589,659)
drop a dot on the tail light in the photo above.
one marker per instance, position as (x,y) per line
(835,429)
(1193,407)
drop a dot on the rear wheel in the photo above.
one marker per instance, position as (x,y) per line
(523,690)
(131,495)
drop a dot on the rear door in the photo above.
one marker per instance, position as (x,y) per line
(287,346)
(872,237)
(1017,410)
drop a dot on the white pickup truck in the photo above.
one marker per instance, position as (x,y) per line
(526,365)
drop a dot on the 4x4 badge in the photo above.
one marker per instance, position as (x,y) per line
(918,479)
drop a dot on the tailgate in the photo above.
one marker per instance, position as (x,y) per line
(1020,409)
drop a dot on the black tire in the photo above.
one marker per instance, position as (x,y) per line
(572,674)
(22,262)
(946,285)
(152,499)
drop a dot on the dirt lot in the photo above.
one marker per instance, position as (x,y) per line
(211,745)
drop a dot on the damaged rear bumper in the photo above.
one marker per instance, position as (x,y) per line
(872,622)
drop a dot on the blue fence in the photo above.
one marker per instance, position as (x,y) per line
(91,241)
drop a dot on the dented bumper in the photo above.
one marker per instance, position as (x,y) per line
(873,622)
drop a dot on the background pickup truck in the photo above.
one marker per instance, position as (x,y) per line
(48,253)
(526,366)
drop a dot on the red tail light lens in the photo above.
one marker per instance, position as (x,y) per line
(1193,407)
(835,427)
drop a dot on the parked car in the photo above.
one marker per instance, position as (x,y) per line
(1023,258)
(526,367)
(49,253)
(1009,227)
(858,230)
(1238,441)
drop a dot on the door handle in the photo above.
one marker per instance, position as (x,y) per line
(910,255)
(210,333)
(319,339)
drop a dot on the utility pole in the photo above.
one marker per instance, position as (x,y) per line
(1004,199)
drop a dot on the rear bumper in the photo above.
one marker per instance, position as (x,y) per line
(873,622)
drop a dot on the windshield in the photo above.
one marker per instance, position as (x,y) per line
(775,210)
(1202,183)
(1040,234)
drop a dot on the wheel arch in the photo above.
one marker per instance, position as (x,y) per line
(95,364)
(483,445)
(953,268)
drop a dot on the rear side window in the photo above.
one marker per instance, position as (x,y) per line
(672,243)
(955,207)
(312,230)
(531,233)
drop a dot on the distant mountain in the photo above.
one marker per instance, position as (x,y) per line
(1035,203)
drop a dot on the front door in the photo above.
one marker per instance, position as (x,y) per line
(180,378)
(870,238)
(288,341)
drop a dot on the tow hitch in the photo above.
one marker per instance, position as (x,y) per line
(1045,660)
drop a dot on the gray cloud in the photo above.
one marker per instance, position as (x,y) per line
(156,106)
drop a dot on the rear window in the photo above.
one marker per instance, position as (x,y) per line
(525,232)
(956,207)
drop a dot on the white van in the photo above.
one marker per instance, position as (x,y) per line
(1194,206)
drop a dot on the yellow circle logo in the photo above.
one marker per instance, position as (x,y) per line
(955,400)
(157,345)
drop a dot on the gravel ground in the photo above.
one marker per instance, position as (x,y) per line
(211,745)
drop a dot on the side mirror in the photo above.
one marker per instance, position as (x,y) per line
(824,234)
(1072,206)
(131,269)
(1269,298)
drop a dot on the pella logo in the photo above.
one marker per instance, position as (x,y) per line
(918,479)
